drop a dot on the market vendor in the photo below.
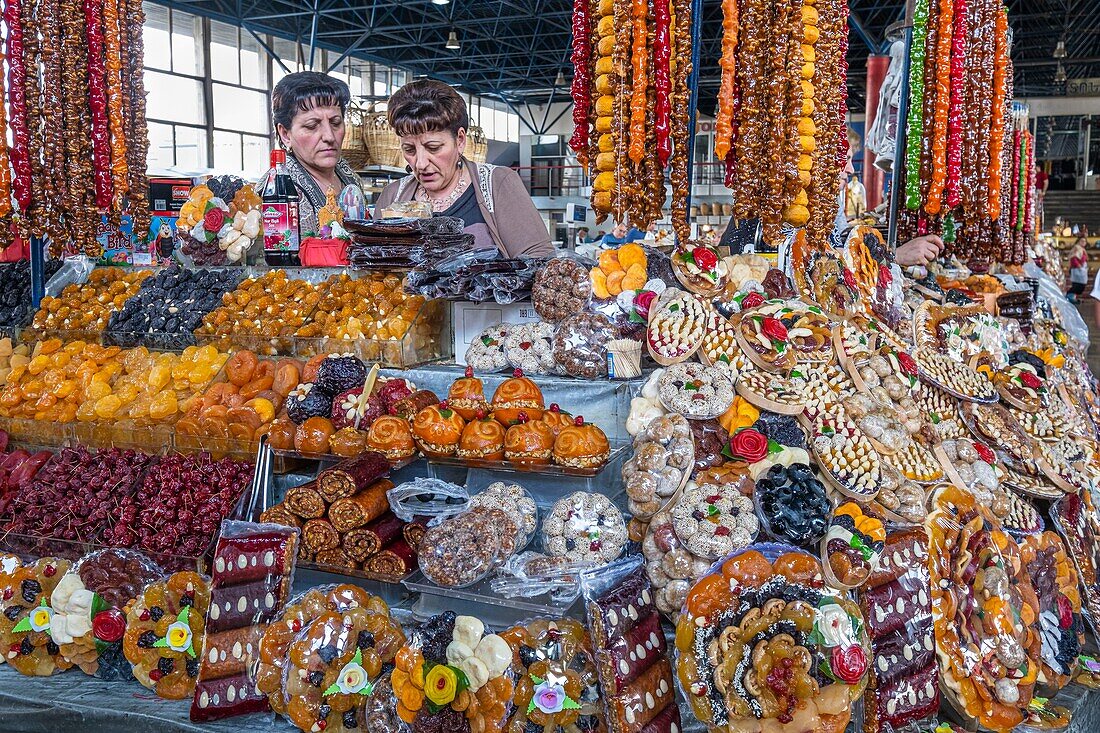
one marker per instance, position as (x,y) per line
(308,109)
(431,120)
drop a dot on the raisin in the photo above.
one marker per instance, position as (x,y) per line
(25,646)
(365,640)
(12,612)
(166,665)
(325,710)
(192,667)
(327,653)
(52,649)
(316,678)
(349,720)
(30,589)
(527,656)
(156,612)
(146,640)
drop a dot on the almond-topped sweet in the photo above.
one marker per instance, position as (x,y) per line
(846,455)
(677,324)
(954,377)
(467,395)
(719,342)
(437,429)
(765,340)
(516,395)
(557,418)
(581,445)
(809,331)
(1021,386)
(699,268)
(529,442)
(785,395)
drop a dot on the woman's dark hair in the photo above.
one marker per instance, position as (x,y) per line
(304,90)
(425,106)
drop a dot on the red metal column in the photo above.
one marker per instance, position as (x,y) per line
(873,178)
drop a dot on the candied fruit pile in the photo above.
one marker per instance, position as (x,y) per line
(12,356)
(57,379)
(88,307)
(267,307)
(371,307)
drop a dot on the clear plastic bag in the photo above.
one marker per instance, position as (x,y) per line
(530,347)
(584,528)
(447,665)
(332,666)
(486,352)
(253,571)
(26,616)
(166,632)
(73,270)
(89,617)
(517,503)
(766,607)
(580,344)
(1076,519)
(531,574)
(562,288)
(664,455)
(976,572)
(895,601)
(465,548)
(1054,578)
(695,390)
(429,498)
(671,567)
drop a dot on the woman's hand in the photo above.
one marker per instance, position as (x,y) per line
(919,251)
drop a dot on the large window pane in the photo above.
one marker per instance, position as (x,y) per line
(224,58)
(240,109)
(257,156)
(186,44)
(253,62)
(227,152)
(162,152)
(158,51)
(190,148)
(513,128)
(174,98)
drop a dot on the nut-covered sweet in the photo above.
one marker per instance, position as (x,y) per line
(561,289)
(586,528)
(580,344)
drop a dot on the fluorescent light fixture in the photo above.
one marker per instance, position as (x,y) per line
(441,2)
(452,42)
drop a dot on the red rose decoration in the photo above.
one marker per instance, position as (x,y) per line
(213,220)
(752,300)
(1030,380)
(885,277)
(908,366)
(642,302)
(749,445)
(109,625)
(774,329)
(849,664)
(984,452)
(849,279)
(704,258)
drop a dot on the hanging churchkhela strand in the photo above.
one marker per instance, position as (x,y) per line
(915,118)
(581,88)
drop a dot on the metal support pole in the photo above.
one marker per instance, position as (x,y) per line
(38,273)
(897,181)
(693,97)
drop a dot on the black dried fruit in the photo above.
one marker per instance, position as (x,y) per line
(192,667)
(306,401)
(165,665)
(156,613)
(527,656)
(316,678)
(52,649)
(327,653)
(365,640)
(350,721)
(147,639)
(339,372)
(324,711)
(13,612)
(30,589)
(25,646)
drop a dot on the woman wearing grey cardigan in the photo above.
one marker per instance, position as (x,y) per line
(431,120)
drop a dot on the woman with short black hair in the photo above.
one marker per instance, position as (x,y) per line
(307,109)
(432,122)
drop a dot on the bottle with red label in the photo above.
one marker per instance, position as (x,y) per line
(282,233)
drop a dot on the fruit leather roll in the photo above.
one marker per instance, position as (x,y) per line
(900,655)
(335,557)
(234,606)
(628,656)
(244,559)
(414,532)
(319,534)
(231,652)
(281,514)
(352,476)
(642,701)
(362,508)
(363,542)
(226,697)
(908,699)
(667,722)
(905,553)
(890,607)
(615,612)
(306,501)
(393,563)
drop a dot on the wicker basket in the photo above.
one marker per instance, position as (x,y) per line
(478,148)
(381,141)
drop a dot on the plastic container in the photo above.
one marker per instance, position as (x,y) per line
(580,344)
(463,549)
(517,503)
(426,340)
(584,528)
(704,392)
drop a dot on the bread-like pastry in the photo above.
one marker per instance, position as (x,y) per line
(581,445)
(392,437)
(482,439)
(516,395)
(437,430)
(467,396)
(529,442)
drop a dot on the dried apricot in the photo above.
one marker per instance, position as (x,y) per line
(164,405)
(240,367)
(256,386)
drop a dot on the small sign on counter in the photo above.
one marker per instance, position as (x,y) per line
(470,319)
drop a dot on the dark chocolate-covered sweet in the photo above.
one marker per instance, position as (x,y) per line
(629,655)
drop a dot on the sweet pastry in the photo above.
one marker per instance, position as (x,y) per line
(901,500)
(530,347)
(562,288)
(822,386)
(556,681)
(556,418)
(165,633)
(462,550)
(996,425)
(852,547)
(331,667)
(699,268)
(486,352)
(1065,463)
(663,458)
(809,331)
(711,522)
(695,390)
(955,378)
(529,442)
(580,344)
(787,395)
(794,506)
(437,430)
(765,341)
(392,437)
(971,571)
(879,422)
(467,396)
(1039,425)
(306,401)
(584,528)
(719,345)
(763,643)
(943,412)
(516,502)
(670,567)
(582,445)
(1054,579)
(677,324)
(27,616)
(515,395)
(846,455)
(916,463)
(482,439)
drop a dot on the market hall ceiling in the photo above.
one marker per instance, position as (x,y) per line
(515,49)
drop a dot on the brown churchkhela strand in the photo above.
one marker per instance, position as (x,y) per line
(137,131)
(681,114)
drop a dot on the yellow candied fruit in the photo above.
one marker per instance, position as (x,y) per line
(97,390)
(107,407)
(126,393)
(159,376)
(86,412)
(39,364)
(163,405)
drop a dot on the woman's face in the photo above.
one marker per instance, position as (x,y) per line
(434,157)
(316,136)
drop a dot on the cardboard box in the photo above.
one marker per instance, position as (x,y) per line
(470,319)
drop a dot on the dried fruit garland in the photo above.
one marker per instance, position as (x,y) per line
(581,88)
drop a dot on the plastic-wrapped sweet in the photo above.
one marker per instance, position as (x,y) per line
(486,351)
(299,613)
(333,664)
(982,598)
(585,528)
(530,347)
(1077,520)
(27,616)
(1055,582)
(714,521)
(452,675)
(670,566)
(462,550)
(89,609)
(580,344)
(517,503)
(904,501)
(762,642)
(792,504)
(974,466)
(165,632)
(664,454)
(852,548)
(696,390)
(557,689)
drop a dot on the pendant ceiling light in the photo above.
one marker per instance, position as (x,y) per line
(452,42)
